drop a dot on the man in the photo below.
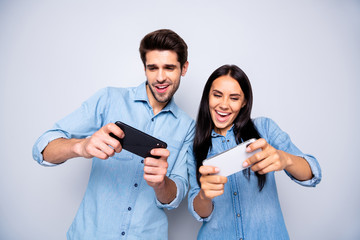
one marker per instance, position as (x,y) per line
(126,194)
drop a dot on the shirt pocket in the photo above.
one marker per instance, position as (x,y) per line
(123,156)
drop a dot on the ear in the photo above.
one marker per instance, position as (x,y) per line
(184,68)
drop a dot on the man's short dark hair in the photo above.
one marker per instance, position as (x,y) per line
(164,39)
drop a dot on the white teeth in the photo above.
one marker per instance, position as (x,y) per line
(161,87)
(222,114)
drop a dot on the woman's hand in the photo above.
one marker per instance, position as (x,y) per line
(211,185)
(271,159)
(267,160)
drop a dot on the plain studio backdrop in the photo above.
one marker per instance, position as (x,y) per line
(302,58)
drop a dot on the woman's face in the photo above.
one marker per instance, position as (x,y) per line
(226,98)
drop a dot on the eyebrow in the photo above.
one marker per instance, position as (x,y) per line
(233,94)
(166,65)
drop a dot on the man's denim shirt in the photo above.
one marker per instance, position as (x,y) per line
(243,212)
(118,203)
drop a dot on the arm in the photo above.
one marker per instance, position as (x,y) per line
(271,159)
(155,175)
(211,186)
(100,145)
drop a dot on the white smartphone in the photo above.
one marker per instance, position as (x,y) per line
(231,160)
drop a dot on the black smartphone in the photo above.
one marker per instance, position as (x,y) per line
(138,142)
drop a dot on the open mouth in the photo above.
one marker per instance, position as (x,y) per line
(161,88)
(222,116)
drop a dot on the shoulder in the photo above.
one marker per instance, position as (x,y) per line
(263,122)
(267,127)
(115,91)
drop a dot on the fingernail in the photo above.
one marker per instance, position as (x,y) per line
(217,169)
(248,149)
(245,164)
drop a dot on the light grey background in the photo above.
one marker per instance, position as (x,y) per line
(302,58)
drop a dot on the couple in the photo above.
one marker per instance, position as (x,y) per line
(126,194)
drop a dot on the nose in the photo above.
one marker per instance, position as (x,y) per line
(224,104)
(161,76)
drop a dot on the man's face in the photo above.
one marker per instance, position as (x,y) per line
(163,73)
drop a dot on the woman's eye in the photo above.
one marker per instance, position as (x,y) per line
(235,99)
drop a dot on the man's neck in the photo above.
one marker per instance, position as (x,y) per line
(156,106)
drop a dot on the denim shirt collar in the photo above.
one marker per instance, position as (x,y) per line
(141,95)
(215,134)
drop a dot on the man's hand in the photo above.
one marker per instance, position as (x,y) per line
(155,169)
(211,185)
(155,175)
(101,144)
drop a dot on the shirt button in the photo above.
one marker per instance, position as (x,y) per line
(228,140)
(135,185)
(223,141)
(235,193)
(238,215)
(142,161)
(129,208)
(123,233)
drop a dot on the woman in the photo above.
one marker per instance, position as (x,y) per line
(244,205)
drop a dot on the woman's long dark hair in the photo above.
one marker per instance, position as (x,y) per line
(244,128)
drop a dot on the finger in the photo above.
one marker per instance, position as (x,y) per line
(261,164)
(270,168)
(154,162)
(153,178)
(163,153)
(95,152)
(257,157)
(155,170)
(213,193)
(114,129)
(211,186)
(260,143)
(206,170)
(109,151)
(113,143)
(213,179)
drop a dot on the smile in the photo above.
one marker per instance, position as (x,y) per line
(222,114)
(222,117)
(161,88)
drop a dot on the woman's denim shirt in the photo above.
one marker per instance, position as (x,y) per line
(244,212)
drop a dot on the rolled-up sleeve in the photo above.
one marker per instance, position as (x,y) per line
(81,123)
(315,169)
(179,171)
(42,142)
(279,139)
(194,188)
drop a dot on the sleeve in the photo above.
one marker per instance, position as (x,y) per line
(179,171)
(81,123)
(279,139)
(194,188)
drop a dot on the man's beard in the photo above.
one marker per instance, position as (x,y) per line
(168,95)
